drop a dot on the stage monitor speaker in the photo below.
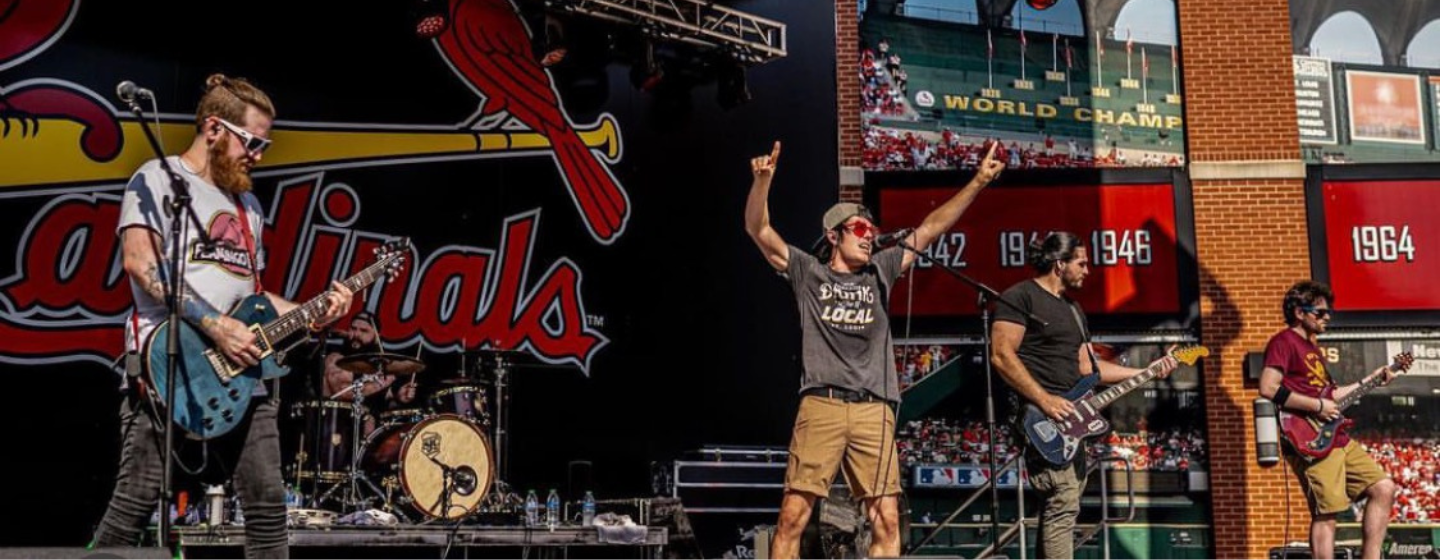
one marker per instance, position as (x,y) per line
(80,552)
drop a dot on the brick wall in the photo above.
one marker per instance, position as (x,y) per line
(847,78)
(1241,285)
(1252,243)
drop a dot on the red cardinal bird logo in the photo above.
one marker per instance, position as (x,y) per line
(488,45)
(27,28)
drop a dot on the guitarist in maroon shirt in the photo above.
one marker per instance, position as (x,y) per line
(1295,379)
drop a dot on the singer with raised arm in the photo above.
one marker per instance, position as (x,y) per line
(221,266)
(848,387)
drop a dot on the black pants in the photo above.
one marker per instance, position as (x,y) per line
(256,469)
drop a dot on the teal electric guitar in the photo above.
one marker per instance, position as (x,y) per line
(212,393)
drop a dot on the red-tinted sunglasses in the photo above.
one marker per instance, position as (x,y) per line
(863,230)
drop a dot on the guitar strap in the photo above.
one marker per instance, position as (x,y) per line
(249,241)
(273,387)
(1089,350)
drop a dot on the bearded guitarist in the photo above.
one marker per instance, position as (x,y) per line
(221,267)
(1295,378)
(1043,361)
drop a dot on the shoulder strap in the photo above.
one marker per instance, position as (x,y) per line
(1084,332)
(249,240)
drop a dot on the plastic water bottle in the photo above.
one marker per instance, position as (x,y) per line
(552,509)
(292,497)
(587,509)
(215,499)
(532,509)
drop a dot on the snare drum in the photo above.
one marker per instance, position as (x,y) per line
(467,401)
(404,416)
(413,459)
(325,443)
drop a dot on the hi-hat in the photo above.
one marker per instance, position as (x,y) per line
(390,364)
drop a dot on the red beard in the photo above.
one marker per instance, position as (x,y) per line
(228,173)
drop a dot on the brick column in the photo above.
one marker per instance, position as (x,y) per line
(847,98)
(1251,240)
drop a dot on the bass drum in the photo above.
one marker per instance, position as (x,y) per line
(440,467)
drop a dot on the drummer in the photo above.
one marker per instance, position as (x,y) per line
(381,395)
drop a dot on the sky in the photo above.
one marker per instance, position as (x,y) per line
(1345,37)
(1348,37)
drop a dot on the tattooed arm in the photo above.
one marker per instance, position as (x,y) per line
(141,253)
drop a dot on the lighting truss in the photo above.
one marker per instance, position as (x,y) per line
(748,38)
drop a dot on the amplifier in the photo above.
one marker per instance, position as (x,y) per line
(733,479)
(1297,551)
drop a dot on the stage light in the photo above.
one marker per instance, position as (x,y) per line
(1267,432)
(731,90)
(647,73)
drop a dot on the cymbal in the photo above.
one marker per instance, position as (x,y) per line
(392,364)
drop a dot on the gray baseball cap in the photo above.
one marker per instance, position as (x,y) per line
(842,211)
(835,216)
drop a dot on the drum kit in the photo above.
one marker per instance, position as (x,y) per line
(433,461)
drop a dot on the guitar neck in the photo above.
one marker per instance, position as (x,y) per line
(1109,396)
(1365,387)
(300,318)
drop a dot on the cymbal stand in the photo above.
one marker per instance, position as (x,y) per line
(500,494)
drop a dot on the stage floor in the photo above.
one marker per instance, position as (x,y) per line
(428,540)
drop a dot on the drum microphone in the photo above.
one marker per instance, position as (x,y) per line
(893,237)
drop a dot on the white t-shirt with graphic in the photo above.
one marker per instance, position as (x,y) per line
(217,266)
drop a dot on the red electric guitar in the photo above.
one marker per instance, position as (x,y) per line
(1312,438)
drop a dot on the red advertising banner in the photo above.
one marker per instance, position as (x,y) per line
(1129,231)
(1376,234)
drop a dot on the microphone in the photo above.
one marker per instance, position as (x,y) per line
(128,91)
(894,236)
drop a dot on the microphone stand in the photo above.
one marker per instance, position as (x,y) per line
(179,207)
(986,295)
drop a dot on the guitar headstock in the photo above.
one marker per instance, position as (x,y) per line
(1402,362)
(391,255)
(1188,355)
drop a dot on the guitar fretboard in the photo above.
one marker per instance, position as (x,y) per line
(1107,397)
(1365,387)
(301,317)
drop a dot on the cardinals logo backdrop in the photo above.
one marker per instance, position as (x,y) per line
(597,231)
(490,48)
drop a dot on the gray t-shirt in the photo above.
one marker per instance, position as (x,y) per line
(845,323)
(220,272)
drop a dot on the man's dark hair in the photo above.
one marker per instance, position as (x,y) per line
(1057,247)
(1304,294)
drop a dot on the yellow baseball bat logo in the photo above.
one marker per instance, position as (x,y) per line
(52,155)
